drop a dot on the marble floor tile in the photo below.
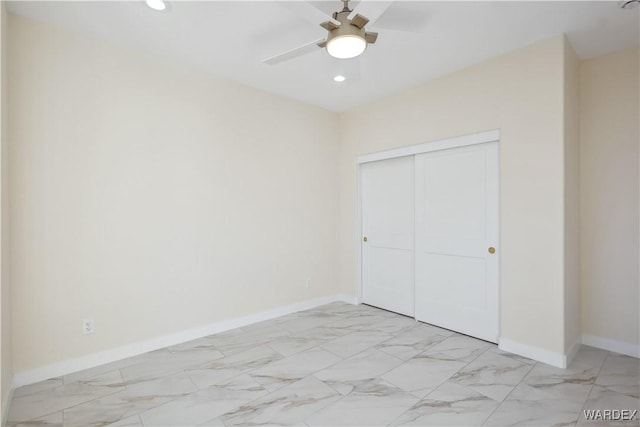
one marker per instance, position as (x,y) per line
(522,359)
(423,330)
(459,347)
(167,362)
(338,309)
(246,339)
(427,330)
(299,324)
(41,386)
(424,373)
(133,421)
(223,369)
(393,325)
(410,343)
(204,343)
(619,363)
(204,405)
(206,377)
(360,322)
(492,374)
(572,384)
(293,368)
(173,385)
(449,405)
(51,420)
(290,405)
(111,409)
(527,406)
(90,373)
(216,422)
(291,345)
(621,374)
(135,399)
(45,402)
(355,342)
(374,403)
(603,398)
(369,364)
(338,364)
(322,334)
(300,341)
(264,329)
(590,356)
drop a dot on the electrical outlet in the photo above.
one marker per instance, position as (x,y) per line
(87,326)
(308,283)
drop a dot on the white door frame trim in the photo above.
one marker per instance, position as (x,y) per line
(426,147)
(441,144)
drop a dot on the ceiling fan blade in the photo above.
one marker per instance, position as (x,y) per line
(293,53)
(359,21)
(322,44)
(306,11)
(408,17)
(372,9)
(401,29)
(371,37)
(329,26)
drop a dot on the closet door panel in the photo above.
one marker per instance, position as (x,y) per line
(456,223)
(387,226)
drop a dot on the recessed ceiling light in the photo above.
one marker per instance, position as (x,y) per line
(339,78)
(156,4)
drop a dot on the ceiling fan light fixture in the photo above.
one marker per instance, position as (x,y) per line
(346,46)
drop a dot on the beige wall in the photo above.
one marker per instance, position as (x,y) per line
(609,198)
(135,182)
(6,368)
(155,198)
(572,326)
(522,95)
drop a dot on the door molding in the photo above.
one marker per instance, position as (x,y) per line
(425,147)
(411,150)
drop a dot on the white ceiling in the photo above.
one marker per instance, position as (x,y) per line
(231,38)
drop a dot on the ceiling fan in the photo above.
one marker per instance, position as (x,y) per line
(346,38)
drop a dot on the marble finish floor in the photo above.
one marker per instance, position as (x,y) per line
(336,365)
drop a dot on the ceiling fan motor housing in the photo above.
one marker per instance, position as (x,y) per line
(349,38)
(346,28)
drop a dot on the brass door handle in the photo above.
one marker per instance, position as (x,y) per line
(364,239)
(492,250)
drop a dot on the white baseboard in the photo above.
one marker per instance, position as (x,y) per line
(96,359)
(558,360)
(611,345)
(6,401)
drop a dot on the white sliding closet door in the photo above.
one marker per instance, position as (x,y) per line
(387,234)
(456,264)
